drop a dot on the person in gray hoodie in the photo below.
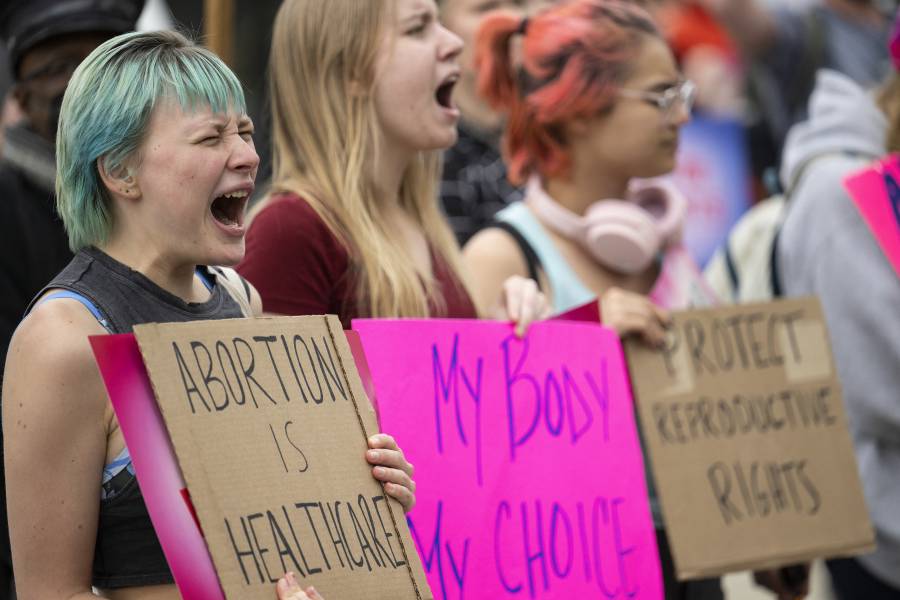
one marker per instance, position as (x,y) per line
(826,249)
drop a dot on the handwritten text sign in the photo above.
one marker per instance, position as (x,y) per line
(269,422)
(876,193)
(743,419)
(529,472)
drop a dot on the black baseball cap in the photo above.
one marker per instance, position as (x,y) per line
(26,23)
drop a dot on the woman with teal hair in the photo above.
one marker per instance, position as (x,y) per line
(155,166)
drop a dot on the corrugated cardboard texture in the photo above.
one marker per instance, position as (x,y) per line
(269,422)
(744,422)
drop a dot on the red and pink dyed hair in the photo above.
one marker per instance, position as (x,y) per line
(574,57)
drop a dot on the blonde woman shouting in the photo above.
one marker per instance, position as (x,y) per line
(362,102)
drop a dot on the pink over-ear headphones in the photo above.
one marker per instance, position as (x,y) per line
(623,235)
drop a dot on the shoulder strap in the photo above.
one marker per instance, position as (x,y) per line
(84,300)
(236,286)
(532,262)
(777,290)
(774,278)
(730,266)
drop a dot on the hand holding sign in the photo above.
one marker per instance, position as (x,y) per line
(289,589)
(392,468)
(523,303)
(630,313)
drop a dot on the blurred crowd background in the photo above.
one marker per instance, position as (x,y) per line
(754,64)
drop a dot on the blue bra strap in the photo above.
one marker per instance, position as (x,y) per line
(80,298)
(205,278)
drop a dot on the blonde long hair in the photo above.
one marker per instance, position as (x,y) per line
(888,98)
(325,132)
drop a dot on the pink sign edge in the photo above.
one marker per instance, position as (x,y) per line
(875,209)
(156,466)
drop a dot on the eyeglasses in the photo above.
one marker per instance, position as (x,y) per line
(668,99)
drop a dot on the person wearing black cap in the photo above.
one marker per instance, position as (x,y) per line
(45,40)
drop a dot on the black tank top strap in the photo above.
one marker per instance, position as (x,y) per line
(532,262)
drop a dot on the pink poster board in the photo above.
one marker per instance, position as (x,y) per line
(159,477)
(876,193)
(530,479)
(680,284)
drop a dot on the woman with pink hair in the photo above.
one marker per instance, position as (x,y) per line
(594,101)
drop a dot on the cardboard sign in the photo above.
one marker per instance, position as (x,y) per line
(530,480)
(269,422)
(743,419)
(876,193)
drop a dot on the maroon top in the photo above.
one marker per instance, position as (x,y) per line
(300,267)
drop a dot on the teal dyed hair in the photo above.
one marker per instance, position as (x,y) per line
(106,109)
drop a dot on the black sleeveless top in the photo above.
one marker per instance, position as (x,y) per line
(127,551)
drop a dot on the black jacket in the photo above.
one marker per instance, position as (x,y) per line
(474,185)
(33,246)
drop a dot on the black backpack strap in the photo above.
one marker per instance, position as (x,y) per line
(800,171)
(775,282)
(246,289)
(731,266)
(532,262)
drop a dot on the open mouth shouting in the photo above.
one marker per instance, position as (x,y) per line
(228,210)
(444,94)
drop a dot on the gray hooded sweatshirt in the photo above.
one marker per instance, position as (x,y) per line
(826,249)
